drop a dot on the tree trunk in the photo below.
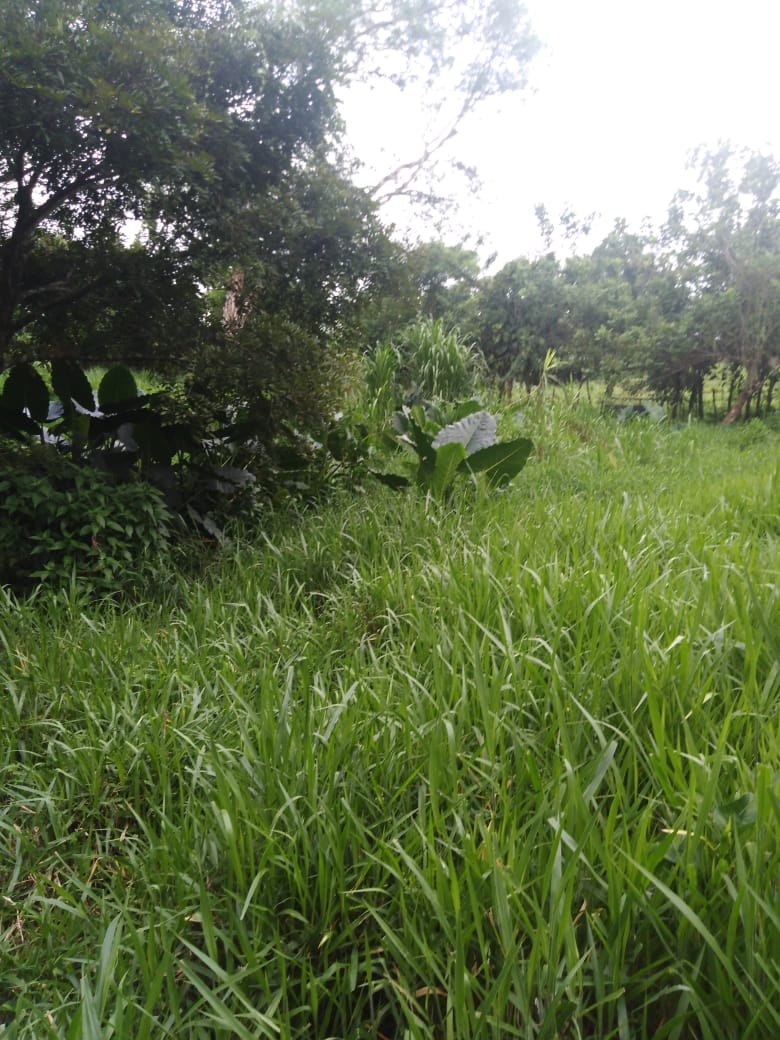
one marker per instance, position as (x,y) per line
(234,310)
(732,387)
(752,385)
(9,298)
(696,403)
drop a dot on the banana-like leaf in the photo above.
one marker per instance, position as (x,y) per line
(422,443)
(501,462)
(154,445)
(16,424)
(25,389)
(399,423)
(228,479)
(71,384)
(465,408)
(118,386)
(448,458)
(475,432)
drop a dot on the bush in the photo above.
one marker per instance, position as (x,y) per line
(445,446)
(199,459)
(58,519)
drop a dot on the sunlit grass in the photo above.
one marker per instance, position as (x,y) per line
(507,767)
(147,380)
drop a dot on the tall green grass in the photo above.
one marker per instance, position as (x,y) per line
(508,768)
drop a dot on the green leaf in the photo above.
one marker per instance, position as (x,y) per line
(116,387)
(743,811)
(207,522)
(603,762)
(448,460)
(465,408)
(16,423)
(399,423)
(501,462)
(228,479)
(25,388)
(79,427)
(417,412)
(422,443)
(71,384)
(475,432)
(152,442)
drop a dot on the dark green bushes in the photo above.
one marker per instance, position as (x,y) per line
(96,481)
(59,520)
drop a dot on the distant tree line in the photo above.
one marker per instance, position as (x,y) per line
(660,312)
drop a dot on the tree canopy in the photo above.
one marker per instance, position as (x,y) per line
(177,115)
(210,130)
(165,163)
(727,237)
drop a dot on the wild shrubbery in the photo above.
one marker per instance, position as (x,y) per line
(98,480)
(95,481)
(427,360)
(59,521)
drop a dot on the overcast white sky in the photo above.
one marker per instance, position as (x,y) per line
(622,92)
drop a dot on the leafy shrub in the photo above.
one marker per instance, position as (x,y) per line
(197,457)
(58,519)
(463,443)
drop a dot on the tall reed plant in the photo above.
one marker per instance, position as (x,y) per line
(439,361)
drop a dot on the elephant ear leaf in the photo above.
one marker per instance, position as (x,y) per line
(117,387)
(25,389)
(448,458)
(501,462)
(475,432)
(71,384)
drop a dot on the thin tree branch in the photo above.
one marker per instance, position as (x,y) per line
(63,300)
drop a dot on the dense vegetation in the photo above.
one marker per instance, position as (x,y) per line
(506,767)
(677,311)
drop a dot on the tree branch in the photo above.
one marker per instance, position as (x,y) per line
(64,299)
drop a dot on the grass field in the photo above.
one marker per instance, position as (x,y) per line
(508,767)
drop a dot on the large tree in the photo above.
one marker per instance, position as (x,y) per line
(430,280)
(518,316)
(626,307)
(205,123)
(211,127)
(727,237)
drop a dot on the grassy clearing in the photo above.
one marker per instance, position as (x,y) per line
(505,769)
